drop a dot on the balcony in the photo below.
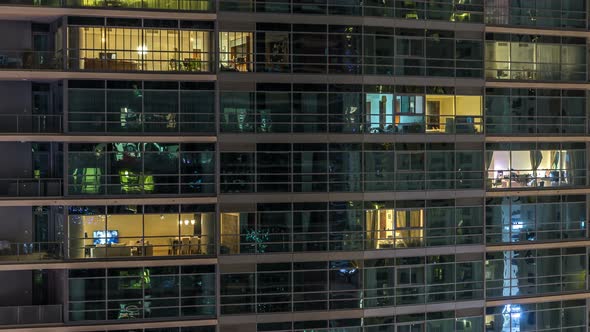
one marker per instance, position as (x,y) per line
(35,314)
(172,5)
(176,5)
(35,3)
(31,251)
(30,60)
(30,124)
(31,187)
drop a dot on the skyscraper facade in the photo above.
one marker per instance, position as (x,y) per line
(294,165)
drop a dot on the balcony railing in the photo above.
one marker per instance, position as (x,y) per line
(176,5)
(36,3)
(30,251)
(27,59)
(31,187)
(30,123)
(35,314)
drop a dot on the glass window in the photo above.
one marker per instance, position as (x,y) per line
(535,168)
(379,167)
(197,5)
(143,293)
(380,112)
(345,284)
(86,110)
(235,51)
(310,112)
(237,111)
(309,52)
(531,272)
(409,114)
(310,227)
(148,107)
(126,232)
(345,113)
(535,58)
(409,228)
(273,52)
(140,168)
(137,49)
(237,172)
(273,114)
(344,49)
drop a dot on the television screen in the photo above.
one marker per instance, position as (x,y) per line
(106,237)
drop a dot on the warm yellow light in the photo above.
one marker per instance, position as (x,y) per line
(142,50)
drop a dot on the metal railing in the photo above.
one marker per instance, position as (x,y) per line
(148,246)
(30,123)
(28,59)
(366,64)
(137,183)
(262,241)
(534,16)
(31,187)
(35,314)
(142,122)
(87,59)
(182,5)
(535,125)
(419,293)
(414,124)
(35,3)
(532,71)
(344,182)
(415,10)
(26,251)
(542,178)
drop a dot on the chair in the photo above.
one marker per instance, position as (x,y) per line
(133,245)
(196,245)
(186,245)
(176,245)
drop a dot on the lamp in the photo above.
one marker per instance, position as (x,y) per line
(142,50)
(186,222)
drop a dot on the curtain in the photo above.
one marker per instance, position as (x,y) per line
(536,157)
(555,159)
(489,156)
(371,228)
(569,166)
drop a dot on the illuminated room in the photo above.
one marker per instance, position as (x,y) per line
(536,168)
(453,114)
(196,5)
(394,228)
(235,51)
(127,235)
(136,49)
